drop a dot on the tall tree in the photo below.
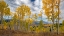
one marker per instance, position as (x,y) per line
(50,9)
(28,22)
(58,4)
(41,21)
(22,11)
(35,16)
(7,13)
(3,5)
(15,19)
(40,15)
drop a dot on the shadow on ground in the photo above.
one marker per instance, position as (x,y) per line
(18,33)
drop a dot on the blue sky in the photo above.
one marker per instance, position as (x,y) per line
(35,6)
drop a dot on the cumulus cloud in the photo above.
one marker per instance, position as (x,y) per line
(35,5)
(62,10)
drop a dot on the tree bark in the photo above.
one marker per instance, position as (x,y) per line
(52,16)
(58,18)
(2,19)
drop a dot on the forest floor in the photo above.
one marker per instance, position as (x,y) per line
(18,33)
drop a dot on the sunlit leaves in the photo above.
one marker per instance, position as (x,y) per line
(63,22)
(31,28)
(15,17)
(29,20)
(56,15)
(47,7)
(22,10)
(35,16)
(5,25)
(2,5)
(7,11)
(40,14)
(37,30)
(61,29)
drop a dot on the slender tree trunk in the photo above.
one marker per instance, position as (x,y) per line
(2,19)
(58,18)
(15,27)
(9,23)
(52,15)
(18,22)
(41,17)
(29,24)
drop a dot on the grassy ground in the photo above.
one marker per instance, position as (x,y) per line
(18,33)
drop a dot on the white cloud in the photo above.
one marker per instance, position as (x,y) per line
(35,6)
(17,2)
(62,11)
(36,2)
